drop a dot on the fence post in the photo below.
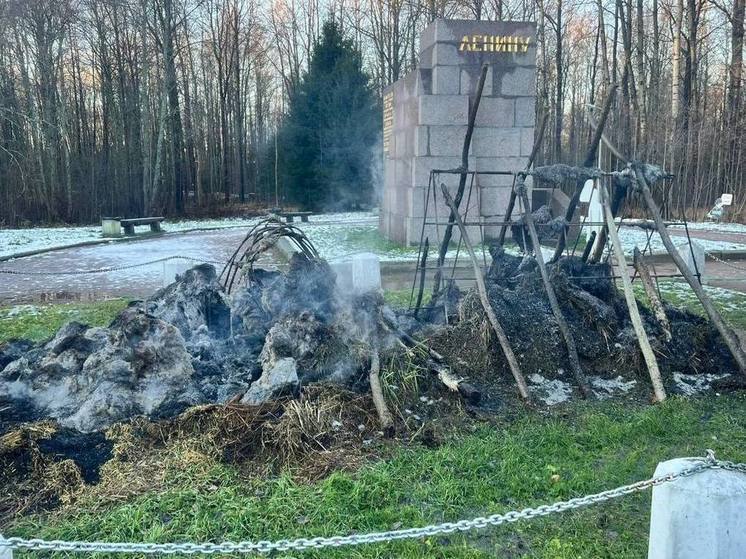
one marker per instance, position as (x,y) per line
(5,552)
(700,516)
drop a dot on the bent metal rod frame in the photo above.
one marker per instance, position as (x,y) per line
(474,209)
(261,238)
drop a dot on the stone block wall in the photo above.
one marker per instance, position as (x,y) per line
(430,108)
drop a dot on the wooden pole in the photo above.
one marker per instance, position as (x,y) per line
(590,158)
(572,352)
(423,271)
(588,246)
(617,203)
(629,296)
(511,200)
(728,335)
(384,415)
(655,301)
(461,182)
(499,332)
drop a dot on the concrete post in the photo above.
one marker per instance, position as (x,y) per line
(694,257)
(111,227)
(5,552)
(700,516)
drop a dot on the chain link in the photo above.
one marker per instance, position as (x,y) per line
(264,546)
(112,268)
(729,264)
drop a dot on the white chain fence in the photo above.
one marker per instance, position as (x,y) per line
(113,268)
(264,547)
(726,262)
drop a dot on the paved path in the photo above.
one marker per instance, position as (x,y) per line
(216,245)
(726,236)
(132,282)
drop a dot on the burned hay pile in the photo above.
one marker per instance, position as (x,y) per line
(597,316)
(282,368)
(191,344)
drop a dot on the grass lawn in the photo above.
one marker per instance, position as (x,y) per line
(522,458)
(731,304)
(40,322)
(515,459)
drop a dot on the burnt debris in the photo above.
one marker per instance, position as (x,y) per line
(193,343)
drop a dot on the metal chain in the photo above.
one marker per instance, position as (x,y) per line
(707,463)
(112,268)
(729,264)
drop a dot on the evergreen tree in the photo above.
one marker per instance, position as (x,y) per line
(328,142)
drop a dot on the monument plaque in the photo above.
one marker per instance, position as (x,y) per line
(388,120)
(426,114)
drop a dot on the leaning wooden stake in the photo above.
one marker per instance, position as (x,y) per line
(461,181)
(501,337)
(384,415)
(436,363)
(423,271)
(629,296)
(572,352)
(728,335)
(588,246)
(511,200)
(655,301)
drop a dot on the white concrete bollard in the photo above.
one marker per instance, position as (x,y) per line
(111,227)
(358,274)
(5,552)
(702,516)
(699,257)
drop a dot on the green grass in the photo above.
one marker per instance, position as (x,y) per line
(40,322)
(731,304)
(370,239)
(532,460)
(399,298)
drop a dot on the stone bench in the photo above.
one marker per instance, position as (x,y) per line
(290,215)
(112,226)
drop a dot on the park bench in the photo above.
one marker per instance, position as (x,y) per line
(289,216)
(112,226)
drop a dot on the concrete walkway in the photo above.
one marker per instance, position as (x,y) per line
(210,246)
(132,282)
(706,234)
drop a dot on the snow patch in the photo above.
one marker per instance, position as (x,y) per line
(551,392)
(19,310)
(632,237)
(689,385)
(13,241)
(605,388)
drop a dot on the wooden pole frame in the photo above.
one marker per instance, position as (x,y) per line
(629,296)
(572,352)
(496,326)
(730,338)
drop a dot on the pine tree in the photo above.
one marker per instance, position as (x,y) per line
(328,142)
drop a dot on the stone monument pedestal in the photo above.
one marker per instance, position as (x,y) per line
(426,115)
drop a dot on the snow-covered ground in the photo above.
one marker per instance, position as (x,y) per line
(13,241)
(334,235)
(634,236)
(714,226)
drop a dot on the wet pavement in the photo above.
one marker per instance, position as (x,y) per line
(216,246)
(139,281)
